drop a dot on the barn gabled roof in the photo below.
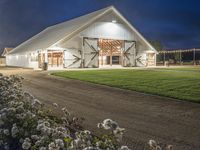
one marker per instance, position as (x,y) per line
(56,33)
(6,51)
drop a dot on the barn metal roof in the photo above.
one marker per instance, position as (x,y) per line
(56,33)
(6,50)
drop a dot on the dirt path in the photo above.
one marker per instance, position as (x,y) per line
(143,116)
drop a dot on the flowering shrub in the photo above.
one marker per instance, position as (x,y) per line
(155,146)
(25,123)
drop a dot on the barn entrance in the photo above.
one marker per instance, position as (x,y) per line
(54,59)
(110,52)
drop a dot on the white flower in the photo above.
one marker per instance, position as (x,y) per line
(48,131)
(55,105)
(6,132)
(52,146)
(87,132)
(59,143)
(99,125)
(77,142)
(38,143)
(91,148)
(152,144)
(14,130)
(67,113)
(26,144)
(42,148)
(109,124)
(35,137)
(36,103)
(40,126)
(118,132)
(124,148)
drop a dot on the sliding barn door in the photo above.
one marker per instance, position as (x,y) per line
(72,58)
(90,52)
(129,54)
(141,59)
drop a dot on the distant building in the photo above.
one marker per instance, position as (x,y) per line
(102,38)
(6,51)
(3,55)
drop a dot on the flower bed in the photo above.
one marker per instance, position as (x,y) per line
(25,123)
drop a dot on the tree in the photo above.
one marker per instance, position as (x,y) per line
(156,44)
(159,47)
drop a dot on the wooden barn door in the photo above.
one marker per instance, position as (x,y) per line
(129,54)
(72,58)
(90,52)
(141,59)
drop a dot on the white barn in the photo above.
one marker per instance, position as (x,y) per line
(101,38)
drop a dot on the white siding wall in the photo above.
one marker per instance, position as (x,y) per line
(108,30)
(21,60)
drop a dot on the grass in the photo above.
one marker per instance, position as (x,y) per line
(179,83)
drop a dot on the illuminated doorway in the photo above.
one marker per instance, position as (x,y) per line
(110,52)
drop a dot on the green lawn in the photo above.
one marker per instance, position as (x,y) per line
(180,83)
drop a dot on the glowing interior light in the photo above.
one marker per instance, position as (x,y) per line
(114,21)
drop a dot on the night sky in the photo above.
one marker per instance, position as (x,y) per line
(176,23)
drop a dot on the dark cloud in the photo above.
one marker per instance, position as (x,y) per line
(174,22)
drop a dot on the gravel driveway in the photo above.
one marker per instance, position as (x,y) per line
(143,116)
